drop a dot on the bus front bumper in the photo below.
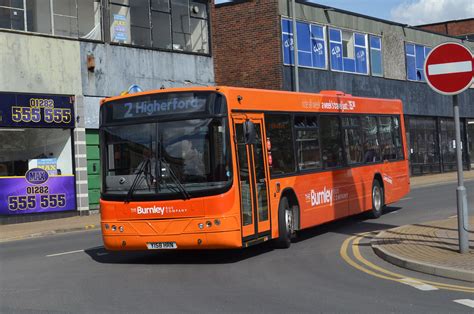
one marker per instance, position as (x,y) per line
(170,234)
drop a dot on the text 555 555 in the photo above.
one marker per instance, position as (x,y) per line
(28,202)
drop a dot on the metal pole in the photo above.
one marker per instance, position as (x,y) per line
(295,47)
(461,190)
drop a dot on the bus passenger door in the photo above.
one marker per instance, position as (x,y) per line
(253,178)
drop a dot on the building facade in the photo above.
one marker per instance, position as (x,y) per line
(340,50)
(58,59)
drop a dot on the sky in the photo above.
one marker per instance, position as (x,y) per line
(411,12)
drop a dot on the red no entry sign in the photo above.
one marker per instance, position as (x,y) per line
(449,68)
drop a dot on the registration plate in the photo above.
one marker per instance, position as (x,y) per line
(161,245)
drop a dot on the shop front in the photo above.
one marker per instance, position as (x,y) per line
(36,155)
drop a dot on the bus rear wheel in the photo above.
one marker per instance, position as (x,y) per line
(377,199)
(285,224)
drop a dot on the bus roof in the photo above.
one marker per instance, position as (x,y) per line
(249,99)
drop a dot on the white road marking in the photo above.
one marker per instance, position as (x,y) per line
(417,284)
(394,212)
(466,302)
(406,198)
(448,68)
(64,253)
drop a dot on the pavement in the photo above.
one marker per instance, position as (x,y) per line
(428,247)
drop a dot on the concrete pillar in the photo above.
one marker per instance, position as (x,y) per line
(80,158)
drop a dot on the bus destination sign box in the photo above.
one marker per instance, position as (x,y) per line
(147,107)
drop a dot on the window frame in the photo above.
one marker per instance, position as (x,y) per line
(169,12)
(381,55)
(426,51)
(311,38)
(354,46)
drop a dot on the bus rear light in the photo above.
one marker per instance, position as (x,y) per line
(208,224)
(106,226)
(217,222)
(200,225)
(121,228)
(114,228)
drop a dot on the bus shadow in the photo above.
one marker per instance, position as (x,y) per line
(101,255)
(350,226)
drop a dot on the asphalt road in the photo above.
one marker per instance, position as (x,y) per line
(311,276)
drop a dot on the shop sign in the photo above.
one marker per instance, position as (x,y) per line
(36,192)
(33,110)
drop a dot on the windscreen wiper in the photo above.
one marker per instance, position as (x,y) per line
(136,181)
(175,179)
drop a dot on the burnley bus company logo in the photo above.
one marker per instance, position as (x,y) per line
(161,210)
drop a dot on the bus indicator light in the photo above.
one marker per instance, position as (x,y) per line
(269,144)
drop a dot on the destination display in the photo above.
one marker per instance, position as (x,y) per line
(36,192)
(158,106)
(33,110)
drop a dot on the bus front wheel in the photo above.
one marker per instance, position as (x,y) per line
(285,224)
(377,199)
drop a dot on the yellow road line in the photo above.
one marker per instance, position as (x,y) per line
(356,239)
(355,248)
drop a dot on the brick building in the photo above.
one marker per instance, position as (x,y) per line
(252,45)
(459,28)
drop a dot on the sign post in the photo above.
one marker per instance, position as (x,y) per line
(449,71)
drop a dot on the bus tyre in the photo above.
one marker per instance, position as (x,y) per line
(377,199)
(285,224)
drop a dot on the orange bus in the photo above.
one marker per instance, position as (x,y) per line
(224,167)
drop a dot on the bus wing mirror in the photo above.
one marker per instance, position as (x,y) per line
(250,132)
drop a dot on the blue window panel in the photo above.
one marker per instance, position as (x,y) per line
(319,53)
(359,40)
(420,56)
(376,62)
(287,44)
(304,59)
(304,41)
(410,49)
(349,65)
(411,68)
(375,42)
(361,60)
(317,32)
(336,56)
(427,51)
(286,26)
(335,35)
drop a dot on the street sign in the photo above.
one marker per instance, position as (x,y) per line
(449,68)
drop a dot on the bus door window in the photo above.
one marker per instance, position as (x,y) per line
(260,179)
(245,191)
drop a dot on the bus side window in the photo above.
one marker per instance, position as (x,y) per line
(279,130)
(331,141)
(371,141)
